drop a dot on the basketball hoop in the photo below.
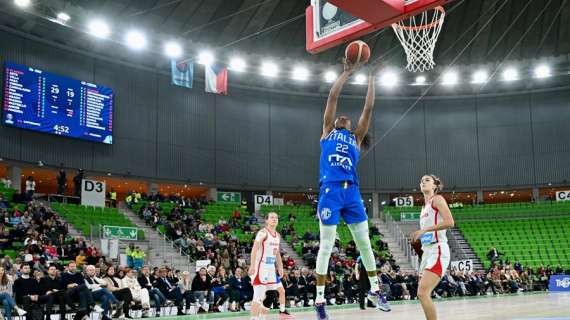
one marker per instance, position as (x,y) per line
(418,35)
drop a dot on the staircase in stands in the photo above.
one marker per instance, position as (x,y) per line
(461,250)
(399,255)
(159,250)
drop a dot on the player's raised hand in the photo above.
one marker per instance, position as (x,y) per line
(349,67)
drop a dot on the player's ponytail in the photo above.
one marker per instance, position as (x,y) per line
(437,182)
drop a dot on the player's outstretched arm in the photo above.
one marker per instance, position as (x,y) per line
(330,110)
(364,121)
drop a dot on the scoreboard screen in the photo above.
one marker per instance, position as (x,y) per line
(42,101)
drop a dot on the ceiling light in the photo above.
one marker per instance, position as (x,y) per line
(269,69)
(330,76)
(22,3)
(237,64)
(389,79)
(135,39)
(172,49)
(206,58)
(450,78)
(480,76)
(510,74)
(300,73)
(99,29)
(63,17)
(420,80)
(360,78)
(542,71)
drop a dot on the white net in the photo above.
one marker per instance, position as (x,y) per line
(418,35)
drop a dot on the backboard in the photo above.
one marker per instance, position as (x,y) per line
(332,22)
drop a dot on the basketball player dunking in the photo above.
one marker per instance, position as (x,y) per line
(434,220)
(339,195)
(266,268)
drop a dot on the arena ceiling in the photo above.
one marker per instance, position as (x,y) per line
(527,29)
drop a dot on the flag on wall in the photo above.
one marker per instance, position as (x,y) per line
(182,74)
(216,79)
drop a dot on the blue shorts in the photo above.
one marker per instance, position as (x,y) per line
(336,201)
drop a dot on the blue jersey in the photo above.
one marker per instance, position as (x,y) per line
(339,157)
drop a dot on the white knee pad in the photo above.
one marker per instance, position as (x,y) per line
(328,236)
(362,238)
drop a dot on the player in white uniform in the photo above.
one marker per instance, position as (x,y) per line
(265,266)
(435,219)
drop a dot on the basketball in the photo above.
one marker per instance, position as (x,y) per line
(357,52)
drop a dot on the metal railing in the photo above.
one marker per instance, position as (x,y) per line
(402,240)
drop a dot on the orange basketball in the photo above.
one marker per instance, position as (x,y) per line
(357,52)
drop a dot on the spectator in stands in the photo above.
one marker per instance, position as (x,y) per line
(185,285)
(73,281)
(525,281)
(220,287)
(77,180)
(81,258)
(51,286)
(27,290)
(559,269)
(307,285)
(291,284)
(494,281)
(332,288)
(114,285)
(100,292)
(201,286)
(289,262)
(239,290)
(363,283)
(148,281)
(6,284)
(30,188)
(349,287)
(518,267)
(61,181)
(138,293)
(3,203)
(170,290)
(494,255)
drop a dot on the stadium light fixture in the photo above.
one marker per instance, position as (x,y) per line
(22,3)
(63,17)
(450,78)
(206,58)
(237,64)
(99,28)
(510,74)
(480,76)
(420,80)
(172,49)
(135,40)
(330,76)
(360,79)
(269,69)
(389,79)
(300,73)
(542,71)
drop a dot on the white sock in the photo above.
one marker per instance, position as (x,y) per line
(281,308)
(320,294)
(374,283)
